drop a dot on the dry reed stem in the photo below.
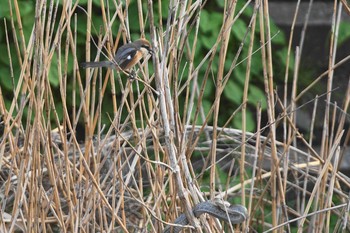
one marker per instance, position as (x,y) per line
(150,164)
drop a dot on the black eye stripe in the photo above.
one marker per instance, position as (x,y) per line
(145,46)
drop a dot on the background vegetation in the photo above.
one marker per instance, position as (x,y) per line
(92,150)
(209,28)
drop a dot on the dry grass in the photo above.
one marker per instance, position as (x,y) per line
(136,175)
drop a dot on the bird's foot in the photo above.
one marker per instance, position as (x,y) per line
(132,75)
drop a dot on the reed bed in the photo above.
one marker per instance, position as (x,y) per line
(162,151)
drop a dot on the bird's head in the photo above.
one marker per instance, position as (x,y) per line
(144,46)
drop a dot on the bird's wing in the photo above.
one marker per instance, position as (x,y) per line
(124,55)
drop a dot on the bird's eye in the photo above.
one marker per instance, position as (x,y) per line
(128,57)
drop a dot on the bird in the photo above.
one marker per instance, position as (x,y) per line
(127,56)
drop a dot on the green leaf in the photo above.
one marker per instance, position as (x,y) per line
(210,22)
(282,58)
(233,92)
(204,21)
(209,89)
(223,175)
(257,95)
(250,121)
(256,64)
(164,8)
(239,73)
(97,2)
(239,28)
(199,46)
(97,22)
(28,26)
(59,110)
(53,73)
(344,32)
(5,58)
(206,106)
(229,60)
(5,78)
(5,10)
(208,41)
(134,20)
(248,11)
(26,8)
(277,35)
(220,3)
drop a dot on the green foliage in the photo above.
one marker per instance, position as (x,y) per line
(211,18)
(250,119)
(27,11)
(257,95)
(210,25)
(233,92)
(344,32)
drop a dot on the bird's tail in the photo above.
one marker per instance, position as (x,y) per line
(94,64)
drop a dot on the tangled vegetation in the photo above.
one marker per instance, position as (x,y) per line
(93,151)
